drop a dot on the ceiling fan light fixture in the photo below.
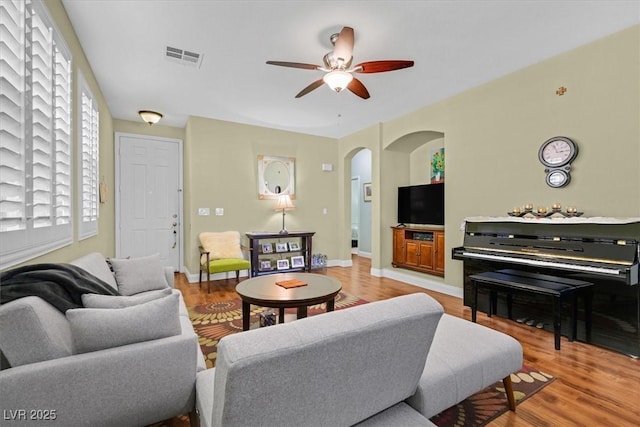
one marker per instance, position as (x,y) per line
(337,80)
(151,117)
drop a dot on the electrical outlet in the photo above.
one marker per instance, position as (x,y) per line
(204,211)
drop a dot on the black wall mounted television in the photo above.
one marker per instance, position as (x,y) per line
(421,204)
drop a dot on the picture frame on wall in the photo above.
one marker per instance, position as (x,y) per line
(297,261)
(367,191)
(267,248)
(283,264)
(282,247)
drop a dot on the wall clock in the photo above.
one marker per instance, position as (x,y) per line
(556,154)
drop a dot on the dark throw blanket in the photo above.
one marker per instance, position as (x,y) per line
(61,285)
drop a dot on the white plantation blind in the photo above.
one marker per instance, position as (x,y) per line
(88,160)
(35,113)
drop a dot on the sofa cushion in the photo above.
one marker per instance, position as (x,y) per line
(33,331)
(457,368)
(225,244)
(135,275)
(398,415)
(99,328)
(111,301)
(361,360)
(96,264)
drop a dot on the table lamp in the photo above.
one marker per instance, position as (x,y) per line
(284,203)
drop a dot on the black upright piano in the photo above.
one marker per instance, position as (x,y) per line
(603,251)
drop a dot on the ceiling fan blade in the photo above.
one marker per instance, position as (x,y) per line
(312,86)
(358,88)
(381,66)
(294,65)
(343,48)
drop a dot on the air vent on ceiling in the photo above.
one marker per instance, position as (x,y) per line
(183,57)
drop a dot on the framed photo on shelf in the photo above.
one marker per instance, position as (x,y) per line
(282,247)
(267,248)
(265,265)
(283,264)
(294,246)
(297,261)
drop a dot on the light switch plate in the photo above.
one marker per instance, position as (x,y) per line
(204,211)
(219,211)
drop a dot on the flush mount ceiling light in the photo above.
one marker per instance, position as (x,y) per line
(151,117)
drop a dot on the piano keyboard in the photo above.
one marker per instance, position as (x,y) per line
(538,263)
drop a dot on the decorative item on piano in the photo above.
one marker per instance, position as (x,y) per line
(544,212)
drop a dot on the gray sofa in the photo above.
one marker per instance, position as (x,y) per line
(133,365)
(389,363)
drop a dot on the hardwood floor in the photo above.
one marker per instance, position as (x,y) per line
(593,386)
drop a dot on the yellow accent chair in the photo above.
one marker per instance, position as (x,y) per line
(221,252)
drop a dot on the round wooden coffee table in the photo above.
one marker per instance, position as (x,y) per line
(263,291)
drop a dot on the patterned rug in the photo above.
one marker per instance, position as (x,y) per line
(486,405)
(216,320)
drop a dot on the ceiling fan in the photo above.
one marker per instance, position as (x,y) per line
(338,69)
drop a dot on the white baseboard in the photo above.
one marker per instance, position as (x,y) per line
(339,263)
(422,282)
(363,254)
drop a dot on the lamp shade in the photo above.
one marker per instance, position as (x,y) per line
(151,117)
(337,79)
(284,203)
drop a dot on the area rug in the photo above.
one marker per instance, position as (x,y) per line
(219,319)
(486,405)
(216,320)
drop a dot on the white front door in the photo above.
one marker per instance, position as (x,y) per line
(149,197)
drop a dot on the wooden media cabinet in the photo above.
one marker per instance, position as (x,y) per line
(419,248)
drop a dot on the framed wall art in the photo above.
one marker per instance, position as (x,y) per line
(367,191)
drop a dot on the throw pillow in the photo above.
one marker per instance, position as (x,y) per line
(100,328)
(222,245)
(111,301)
(135,275)
(95,263)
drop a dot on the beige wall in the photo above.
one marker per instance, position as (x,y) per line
(141,128)
(221,172)
(492,134)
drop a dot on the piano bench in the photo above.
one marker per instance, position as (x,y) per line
(558,288)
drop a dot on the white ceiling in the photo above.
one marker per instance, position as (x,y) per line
(456,45)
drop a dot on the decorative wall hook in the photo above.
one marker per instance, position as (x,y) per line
(561,91)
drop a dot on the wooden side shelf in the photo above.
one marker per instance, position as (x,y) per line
(420,249)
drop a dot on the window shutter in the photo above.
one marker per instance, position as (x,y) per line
(35,108)
(12,114)
(62,129)
(88,164)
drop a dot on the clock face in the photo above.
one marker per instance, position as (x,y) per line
(557,178)
(557,152)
